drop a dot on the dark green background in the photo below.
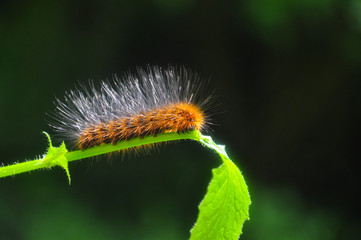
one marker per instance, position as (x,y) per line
(287,77)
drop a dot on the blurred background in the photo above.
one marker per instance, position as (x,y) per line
(286,74)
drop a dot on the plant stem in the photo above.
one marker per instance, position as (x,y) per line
(94,151)
(20,168)
(106,148)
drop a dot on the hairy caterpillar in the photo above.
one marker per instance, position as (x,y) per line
(150,102)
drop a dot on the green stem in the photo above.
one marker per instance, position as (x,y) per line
(20,168)
(98,150)
(51,161)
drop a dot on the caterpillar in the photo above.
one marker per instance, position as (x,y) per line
(154,100)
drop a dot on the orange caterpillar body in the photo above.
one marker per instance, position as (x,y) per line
(180,117)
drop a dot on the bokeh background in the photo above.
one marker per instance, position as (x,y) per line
(287,77)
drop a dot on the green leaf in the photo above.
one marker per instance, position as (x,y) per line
(225,206)
(56,157)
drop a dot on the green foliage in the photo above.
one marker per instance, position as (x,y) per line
(56,157)
(221,213)
(225,206)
